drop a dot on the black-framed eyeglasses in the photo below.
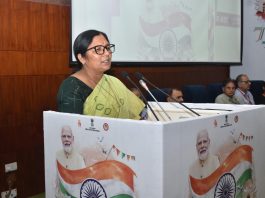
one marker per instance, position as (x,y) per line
(100,49)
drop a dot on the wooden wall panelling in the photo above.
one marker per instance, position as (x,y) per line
(31,179)
(22,94)
(33,26)
(23,100)
(5,20)
(33,63)
(19,26)
(176,75)
(34,60)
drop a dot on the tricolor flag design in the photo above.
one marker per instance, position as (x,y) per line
(238,164)
(111,178)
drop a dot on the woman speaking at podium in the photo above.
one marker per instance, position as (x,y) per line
(91,92)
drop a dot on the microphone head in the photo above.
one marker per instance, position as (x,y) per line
(139,76)
(143,84)
(124,74)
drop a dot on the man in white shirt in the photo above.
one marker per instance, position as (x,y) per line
(242,93)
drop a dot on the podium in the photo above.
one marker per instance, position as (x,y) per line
(128,158)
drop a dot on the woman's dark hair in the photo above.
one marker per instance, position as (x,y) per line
(83,40)
(229,80)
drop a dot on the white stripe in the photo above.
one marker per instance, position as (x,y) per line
(115,187)
(73,189)
(238,170)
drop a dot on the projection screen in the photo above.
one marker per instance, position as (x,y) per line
(164,31)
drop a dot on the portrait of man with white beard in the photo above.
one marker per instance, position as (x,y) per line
(68,156)
(206,163)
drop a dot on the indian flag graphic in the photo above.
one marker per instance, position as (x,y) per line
(109,178)
(229,179)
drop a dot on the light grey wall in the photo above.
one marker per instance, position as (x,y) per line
(253,63)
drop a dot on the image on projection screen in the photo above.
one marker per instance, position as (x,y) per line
(164,31)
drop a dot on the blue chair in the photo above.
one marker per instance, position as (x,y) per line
(214,89)
(256,89)
(195,93)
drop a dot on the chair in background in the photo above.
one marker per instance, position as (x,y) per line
(160,97)
(256,88)
(214,89)
(195,93)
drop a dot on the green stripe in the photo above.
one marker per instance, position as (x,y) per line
(64,191)
(247,174)
(122,196)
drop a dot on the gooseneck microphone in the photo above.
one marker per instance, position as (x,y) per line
(126,76)
(143,84)
(140,76)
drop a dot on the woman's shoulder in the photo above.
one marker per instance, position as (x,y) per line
(220,96)
(72,85)
(72,81)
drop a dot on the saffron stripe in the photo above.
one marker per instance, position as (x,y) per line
(109,169)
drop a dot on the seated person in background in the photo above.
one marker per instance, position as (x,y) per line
(228,95)
(176,95)
(242,93)
(89,90)
(261,98)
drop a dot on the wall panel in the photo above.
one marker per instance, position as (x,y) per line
(176,76)
(33,26)
(23,100)
(33,63)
